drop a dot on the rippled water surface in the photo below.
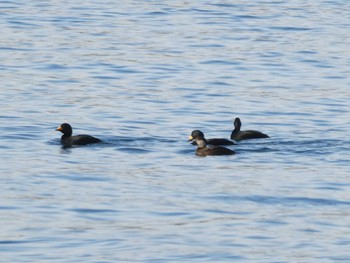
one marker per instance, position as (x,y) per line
(141,75)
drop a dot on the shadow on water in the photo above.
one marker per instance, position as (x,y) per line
(287,201)
(313,148)
(294,147)
(277,150)
(122,143)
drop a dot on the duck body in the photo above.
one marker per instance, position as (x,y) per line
(213,150)
(214,141)
(67,140)
(203,148)
(237,134)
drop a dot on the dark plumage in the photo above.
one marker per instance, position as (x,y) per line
(237,134)
(214,141)
(204,150)
(68,140)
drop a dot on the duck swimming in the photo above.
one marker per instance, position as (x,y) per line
(214,141)
(67,140)
(204,150)
(237,134)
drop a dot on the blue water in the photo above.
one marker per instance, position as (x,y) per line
(143,75)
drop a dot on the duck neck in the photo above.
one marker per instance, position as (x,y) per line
(202,143)
(65,136)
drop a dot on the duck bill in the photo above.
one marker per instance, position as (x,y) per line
(59,128)
(190,138)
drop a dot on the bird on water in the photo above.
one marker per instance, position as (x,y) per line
(214,141)
(67,140)
(237,134)
(204,149)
